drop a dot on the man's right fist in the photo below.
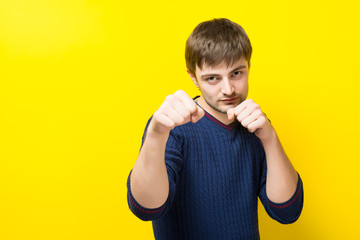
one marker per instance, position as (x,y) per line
(177,109)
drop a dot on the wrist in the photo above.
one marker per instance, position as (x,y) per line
(156,131)
(270,138)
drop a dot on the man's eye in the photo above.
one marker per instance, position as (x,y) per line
(237,73)
(211,79)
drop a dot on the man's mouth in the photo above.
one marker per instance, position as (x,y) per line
(229,100)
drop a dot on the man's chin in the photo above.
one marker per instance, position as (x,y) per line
(221,106)
(224,109)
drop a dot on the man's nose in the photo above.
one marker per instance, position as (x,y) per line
(227,88)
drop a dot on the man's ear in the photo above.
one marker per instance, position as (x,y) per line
(193,78)
(249,64)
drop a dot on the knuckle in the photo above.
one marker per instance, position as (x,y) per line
(163,107)
(260,121)
(263,119)
(257,112)
(179,93)
(172,125)
(180,120)
(157,113)
(185,114)
(243,123)
(169,98)
(193,109)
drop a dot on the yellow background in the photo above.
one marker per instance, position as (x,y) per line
(79,79)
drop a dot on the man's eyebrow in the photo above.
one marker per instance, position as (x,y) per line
(215,74)
(209,75)
(238,68)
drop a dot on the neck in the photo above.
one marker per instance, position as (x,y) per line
(222,117)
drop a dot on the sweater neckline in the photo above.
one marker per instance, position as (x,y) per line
(215,120)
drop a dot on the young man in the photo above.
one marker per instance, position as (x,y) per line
(205,161)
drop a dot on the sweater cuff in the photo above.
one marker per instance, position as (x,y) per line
(289,211)
(141,212)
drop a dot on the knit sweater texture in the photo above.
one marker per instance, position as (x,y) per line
(216,174)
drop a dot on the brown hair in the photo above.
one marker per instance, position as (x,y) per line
(214,41)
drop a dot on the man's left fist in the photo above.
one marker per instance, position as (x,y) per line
(249,114)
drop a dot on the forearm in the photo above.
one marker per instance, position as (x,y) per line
(281,179)
(149,179)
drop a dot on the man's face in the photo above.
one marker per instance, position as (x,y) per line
(222,87)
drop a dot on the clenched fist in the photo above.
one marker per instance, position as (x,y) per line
(176,110)
(249,114)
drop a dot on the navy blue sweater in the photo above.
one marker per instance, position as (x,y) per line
(216,174)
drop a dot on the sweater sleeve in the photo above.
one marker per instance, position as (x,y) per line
(286,212)
(173,162)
